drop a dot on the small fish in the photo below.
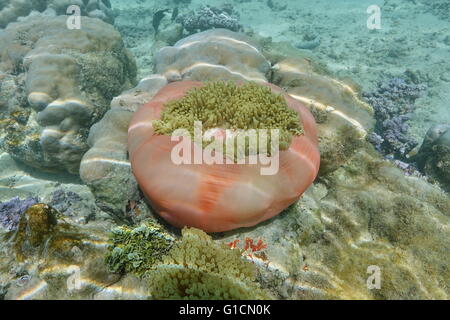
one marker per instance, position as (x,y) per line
(157,17)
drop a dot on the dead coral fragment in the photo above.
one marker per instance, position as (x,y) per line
(199,268)
(229,106)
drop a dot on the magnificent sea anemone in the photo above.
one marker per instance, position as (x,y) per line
(215,196)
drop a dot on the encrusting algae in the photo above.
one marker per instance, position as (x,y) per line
(234,107)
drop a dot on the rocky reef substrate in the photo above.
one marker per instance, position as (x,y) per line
(61,239)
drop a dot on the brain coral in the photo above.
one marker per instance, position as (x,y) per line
(60,82)
(218,197)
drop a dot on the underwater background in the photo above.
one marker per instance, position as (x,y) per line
(74,223)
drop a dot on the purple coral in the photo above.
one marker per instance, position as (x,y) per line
(208,18)
(393,103)
(12,210)
(65,201)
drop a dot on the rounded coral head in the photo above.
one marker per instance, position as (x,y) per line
(215,196)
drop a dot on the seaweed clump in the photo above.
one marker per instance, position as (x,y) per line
(199,268)
(231,107)
(137,250)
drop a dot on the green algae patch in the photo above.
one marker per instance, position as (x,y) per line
(137,250)
(229,106)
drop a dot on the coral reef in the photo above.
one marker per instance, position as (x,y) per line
(59,259)
(212,194)
(217,54)
(12,210)
(393,102)
(106,162)
(65,193)
(107,159)
(12,10)
(365,213)
(335,105)
(137,250)
(199,268)
(209,18)
(343,119)
(67,261)
(67,78)
(362,211)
